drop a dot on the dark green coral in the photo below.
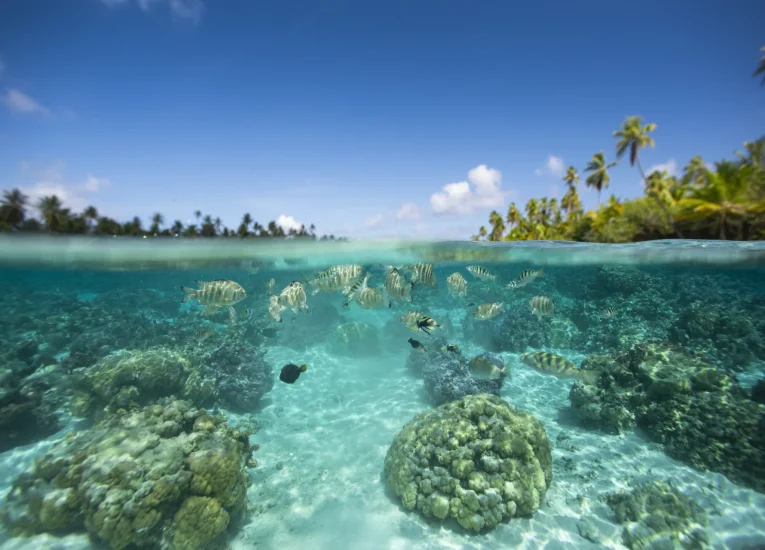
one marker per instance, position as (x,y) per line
(476,460)
(657,515)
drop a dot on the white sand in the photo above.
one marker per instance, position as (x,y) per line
(323,440)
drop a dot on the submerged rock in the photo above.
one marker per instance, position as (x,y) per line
(656,515)
(476,460)
(167,476)
(699,414)
(447,377)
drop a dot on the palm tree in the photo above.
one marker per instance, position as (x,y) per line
(157,220)
(598,169)
(572,177)
(52,212)
(177,227)
(695,171)
(497,226)
(197,214)
(723,200)
(532,210)
(218,223)
(482,232)
(13,207)
(633,136)
(191,231)
(90,214)
(514,216)
(761,67)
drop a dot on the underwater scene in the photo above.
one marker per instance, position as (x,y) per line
(363,395)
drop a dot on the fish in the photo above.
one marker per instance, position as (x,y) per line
(488,311)
(410,319)
(397,286)
(451,348)
(275,308)
(290,373)
(417,345)
(426,324)
(294,297)
(202,334)
(549,363)
(269,332)
(214,295)
(336,278)
(607,313)
(271,286)
(483,369)
(480,272)
(541,306)
(366,296)
(457,284)
(422,274)
(524,278)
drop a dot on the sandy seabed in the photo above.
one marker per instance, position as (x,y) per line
(318,483)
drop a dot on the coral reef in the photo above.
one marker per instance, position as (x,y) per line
(166,476)
(698,413)
(656,515)
(447,377)
(476,460)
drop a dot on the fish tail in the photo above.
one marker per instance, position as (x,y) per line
(188,294)
(303,367)
(503,371)
(590,376)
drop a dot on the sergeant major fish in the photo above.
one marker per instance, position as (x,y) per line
(549,363)
(422,274)
(214,295)
(541,306)
(483,369)
(480,272)
(457,284)
(397,286)
(488,311)
(293,296)
(275,308)
(526,277)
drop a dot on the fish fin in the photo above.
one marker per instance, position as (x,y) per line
(590,376)
(188,294)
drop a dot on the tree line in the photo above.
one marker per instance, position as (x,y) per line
(723,201)
(55,218)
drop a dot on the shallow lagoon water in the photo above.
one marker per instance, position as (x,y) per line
(319,478)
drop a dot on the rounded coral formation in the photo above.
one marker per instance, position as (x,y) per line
(167,476)
(656,515)
(476,460)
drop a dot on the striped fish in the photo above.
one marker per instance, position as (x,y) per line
(607,313)
(541,306)
(215,294)
(524,278)
(422,274)
(457,284)
(275,308)
(555,365)
(397,286)
(480,272)
(488,311)
(294,297)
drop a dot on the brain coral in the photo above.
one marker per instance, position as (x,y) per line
(476,460)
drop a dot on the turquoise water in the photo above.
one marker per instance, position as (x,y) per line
(379,445)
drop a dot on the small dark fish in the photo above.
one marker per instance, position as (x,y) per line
(426,324)
(270,332)
(291,372)
(417,345)
(451,348)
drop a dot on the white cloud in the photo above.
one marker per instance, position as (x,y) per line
(459,198)
(93,183)
(374,221)
(408,211)
(18,102)
(288,222)
(553,165)
(670,167)
(185,9)
(49,180)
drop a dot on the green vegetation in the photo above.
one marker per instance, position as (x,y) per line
(723,202)
(55,218)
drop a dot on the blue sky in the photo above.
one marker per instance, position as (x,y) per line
(355,115)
